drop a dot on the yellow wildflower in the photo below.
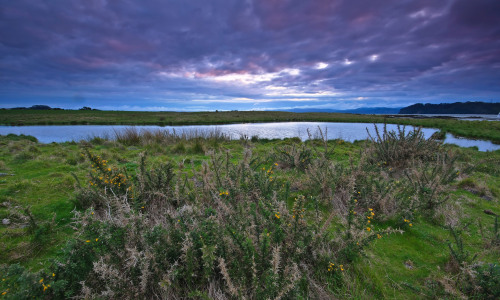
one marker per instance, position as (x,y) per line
(96,240)
(41,280)
(411,225)
(87,241)
(368,228)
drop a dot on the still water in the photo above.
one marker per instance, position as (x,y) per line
(345,131)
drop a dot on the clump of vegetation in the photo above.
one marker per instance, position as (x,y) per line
(398,148)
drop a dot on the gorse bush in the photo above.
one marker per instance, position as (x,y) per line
(226,232)
(398,148)
(294,156)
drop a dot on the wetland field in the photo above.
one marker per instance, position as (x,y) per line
(159,215)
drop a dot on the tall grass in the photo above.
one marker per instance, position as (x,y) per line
(134,136)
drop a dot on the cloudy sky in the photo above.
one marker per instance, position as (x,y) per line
(192,55)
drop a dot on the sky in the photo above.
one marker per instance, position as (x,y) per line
(205,55)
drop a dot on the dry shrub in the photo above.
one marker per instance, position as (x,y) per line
(399,148)
(224,232)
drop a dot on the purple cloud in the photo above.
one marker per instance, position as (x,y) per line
(253,54)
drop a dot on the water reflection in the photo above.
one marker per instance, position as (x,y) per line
(346,131)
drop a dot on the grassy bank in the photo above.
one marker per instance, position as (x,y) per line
(470,129)
(205,217)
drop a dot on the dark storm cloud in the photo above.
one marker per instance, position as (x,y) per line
(248,54)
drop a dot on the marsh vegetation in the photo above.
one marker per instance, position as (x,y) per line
(151,215)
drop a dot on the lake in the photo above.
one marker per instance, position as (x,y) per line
(345,131)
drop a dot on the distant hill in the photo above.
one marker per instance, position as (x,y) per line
(363,110)
(46,107)
(453,108)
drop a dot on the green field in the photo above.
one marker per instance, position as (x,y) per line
(163,216)
(470,129)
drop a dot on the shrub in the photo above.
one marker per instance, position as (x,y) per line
(297,156)
(227,230)
(401,148)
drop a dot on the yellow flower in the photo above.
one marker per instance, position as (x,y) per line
(96,240)
(368,228)
(277,216)
(87,241)
(411,225)
(53,274)
(379,236)
(41,280)
(109,169)
(4,293)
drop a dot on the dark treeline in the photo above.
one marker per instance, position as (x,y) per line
(46,107)
(452,108)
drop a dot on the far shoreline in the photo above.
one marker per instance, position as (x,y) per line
(469,129)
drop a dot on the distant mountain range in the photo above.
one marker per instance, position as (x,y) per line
(453,108)
(362,110)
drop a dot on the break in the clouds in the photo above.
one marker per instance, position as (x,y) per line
(247,54)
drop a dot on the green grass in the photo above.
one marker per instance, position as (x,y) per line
(397,266)
(470,129)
